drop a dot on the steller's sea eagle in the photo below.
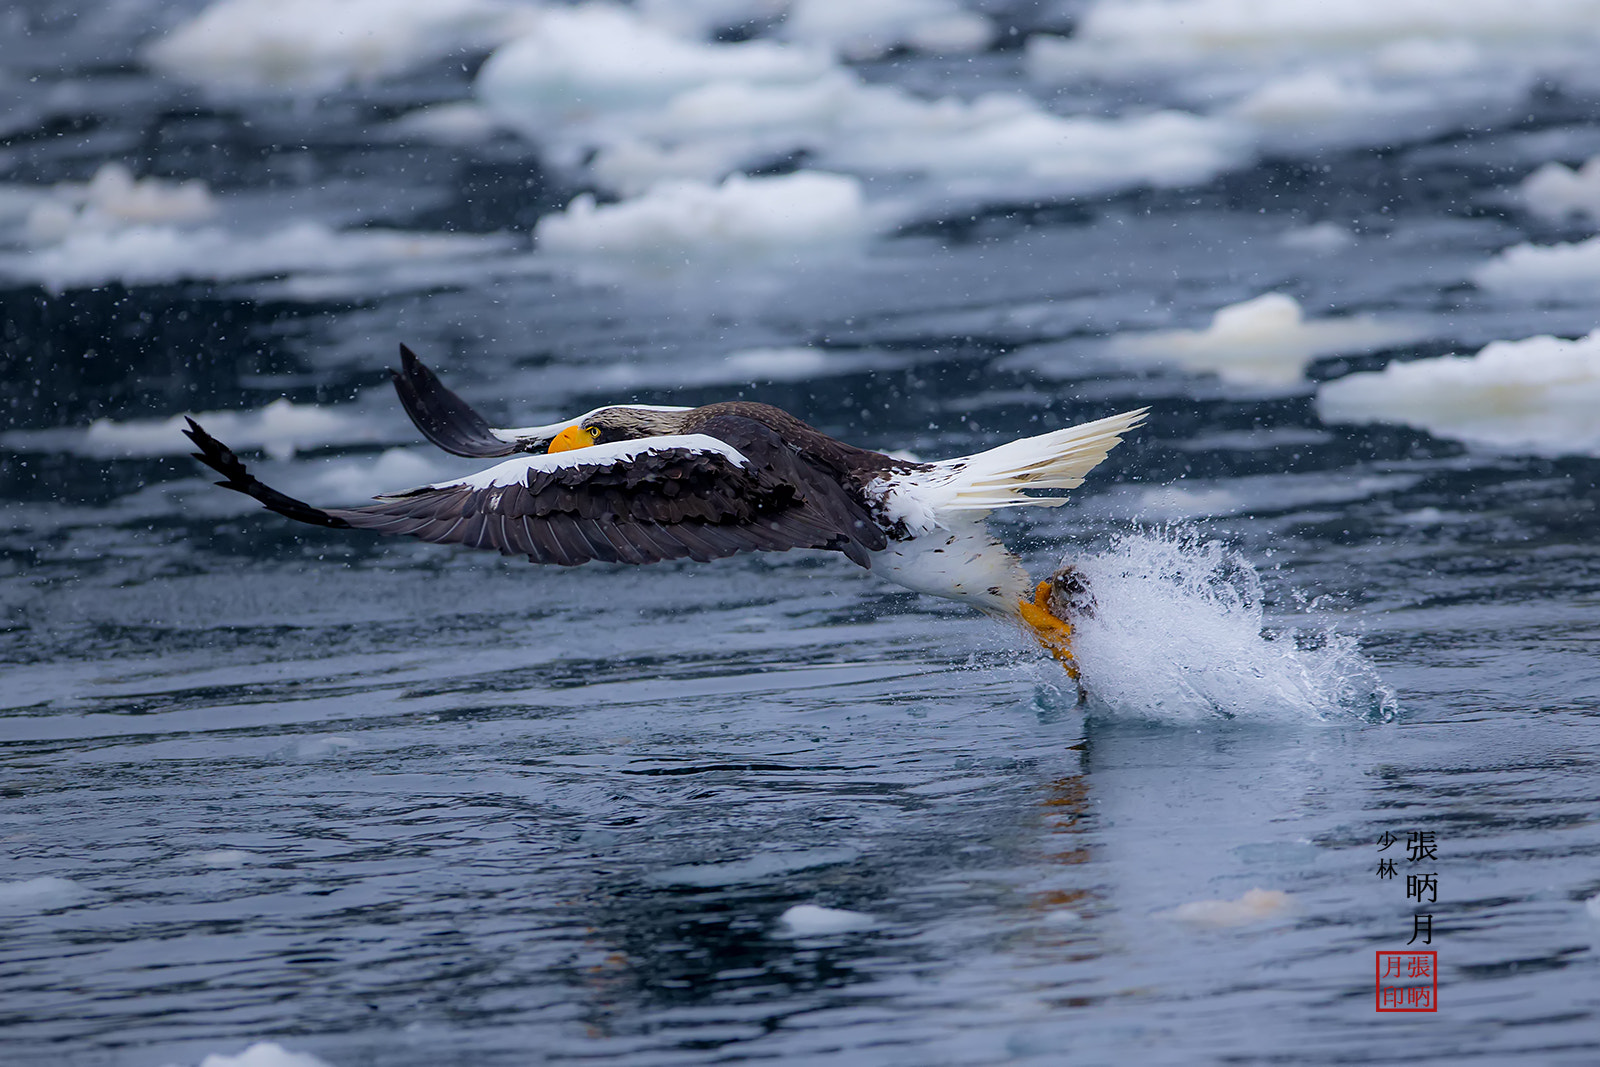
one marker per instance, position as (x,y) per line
(631,483)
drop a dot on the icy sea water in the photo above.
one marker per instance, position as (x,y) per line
(393,804)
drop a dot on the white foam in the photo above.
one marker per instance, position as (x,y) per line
(149,255)
(40,894)
(861,31)
(1265,341)
(314,46)
(787,214)
(1557,192)
(114,199)
(263,1054)
(280,429)
(1177,634)
(1536,395)
(1256,905)
(811,920)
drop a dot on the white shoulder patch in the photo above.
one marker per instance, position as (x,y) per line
(515,471)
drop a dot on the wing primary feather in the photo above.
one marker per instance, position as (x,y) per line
(442,416)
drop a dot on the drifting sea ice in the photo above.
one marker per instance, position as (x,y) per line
(1265,341)
(114,199)
(1544,271)
(791,214)
(812,920)
(862,31)
(311,46)
(1537,395)
(263,1054)
(1557,192)
(154,255)
(280,429)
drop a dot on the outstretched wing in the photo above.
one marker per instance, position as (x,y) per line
(638,501)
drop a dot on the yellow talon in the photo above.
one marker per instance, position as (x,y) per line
(1054,634)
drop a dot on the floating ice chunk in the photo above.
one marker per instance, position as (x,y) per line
(785,215)
(1176,634)
(702,18)
(1320,108)
(314,46)
(1321,238)
(1537,395)
(1592,906)
(280,429)
(810,920)
(999,136)
(394,470)
(1556,192)
(1256,905)
(150,255)
(1571,270)
(459,123)
(586,61)
(263,1054)
(40,894)
(862,31)
(1265,341)
(113,198)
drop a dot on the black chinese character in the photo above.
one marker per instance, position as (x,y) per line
(1422,926)
(1386,869)
(1385,841)
(1418,884)
(1420,846)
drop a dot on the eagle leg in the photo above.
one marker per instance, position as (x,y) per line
(1064,594)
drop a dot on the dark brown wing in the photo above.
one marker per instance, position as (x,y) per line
(638,502)
(442,416)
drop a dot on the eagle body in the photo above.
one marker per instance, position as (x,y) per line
(640,484)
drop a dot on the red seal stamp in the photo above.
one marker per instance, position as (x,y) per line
(1408,981)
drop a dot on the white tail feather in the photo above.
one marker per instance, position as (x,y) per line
(1005,477)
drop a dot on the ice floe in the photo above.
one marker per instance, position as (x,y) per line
(1321,238)
(1536,271)
(280,429)
(153,255)
(1178,633)
(811,920)
(789,214)
(1311,75)
(1537,395)
(41,894)
(1256,905)
(114,199)
(263,1054)
(1266,341)
(312,46)
(1557,192)
(862,31)
(600,82)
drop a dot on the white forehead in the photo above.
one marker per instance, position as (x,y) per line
(522,433)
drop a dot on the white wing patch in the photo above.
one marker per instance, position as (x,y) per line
(1003,477)
(515,471)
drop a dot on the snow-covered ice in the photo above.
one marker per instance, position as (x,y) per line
(861,31)
(280,429)
(1569,270)
(1266,341)
(790,214)
(40,894)
(1557,192)
(1256,905)
(1536,395)
(811,920)
(114,199)
(309,46)
(154,255)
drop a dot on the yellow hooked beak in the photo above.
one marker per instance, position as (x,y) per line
(573,437)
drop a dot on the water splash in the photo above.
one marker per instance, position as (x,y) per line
(1178,632)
